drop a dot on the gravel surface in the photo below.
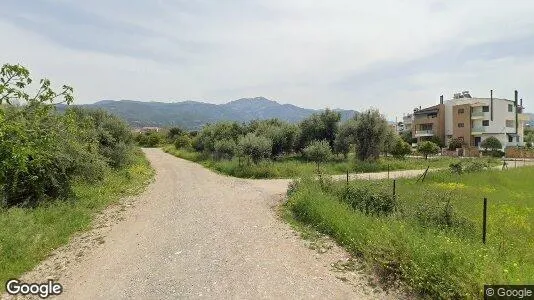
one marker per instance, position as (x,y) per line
(197,234)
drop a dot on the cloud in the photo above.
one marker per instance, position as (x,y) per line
(388,54)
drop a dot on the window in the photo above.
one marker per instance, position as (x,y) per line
(510,139)
(485,108)
(460,125)
(461,111)
(510,108)
(485,123)
(510,123)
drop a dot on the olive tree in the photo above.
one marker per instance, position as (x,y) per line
(254,147)
(401,148)
(369,134)
(428,148)
(318,152)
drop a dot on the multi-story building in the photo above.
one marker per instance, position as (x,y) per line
(471,120)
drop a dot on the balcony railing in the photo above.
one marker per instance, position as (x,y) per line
(477,114)
(424,133)
(478,129)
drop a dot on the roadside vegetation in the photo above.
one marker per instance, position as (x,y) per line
(321,143)
(429,235)
(56,170)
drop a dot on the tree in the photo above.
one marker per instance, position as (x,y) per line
(529,138)
(491,143)
(389,141)
(407,136)
(283,135)
(401,148)
(322,126)
(182,142)
(428,148)
(369,133)
(318,152)
(454,144)
(254,147)
(174,133)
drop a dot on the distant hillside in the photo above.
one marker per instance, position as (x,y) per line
(193,115)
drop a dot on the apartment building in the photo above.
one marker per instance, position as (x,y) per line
(471,120)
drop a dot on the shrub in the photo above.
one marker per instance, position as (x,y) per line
(428,148)
(369,201)
(182,142)
(149,139)
(440,213)
(174,133)
(491,143)
(401,149)
(225,149)
(454,144)
(318,152)
(254,147)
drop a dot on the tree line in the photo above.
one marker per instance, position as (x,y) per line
(42,152)
(318,138)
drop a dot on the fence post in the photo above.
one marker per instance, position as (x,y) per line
(388,171)
(347,176)
(394,188)
(484,222)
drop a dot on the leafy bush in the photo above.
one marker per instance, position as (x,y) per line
(428,148)
(454,144)
(469,166)
(174,133)
(401,149)
(369,134)
(254,147)
(368,200)
(491,143)
(150,139)
(225,149)
(440,213)
(182,142)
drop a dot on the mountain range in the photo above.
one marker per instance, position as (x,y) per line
(192,115)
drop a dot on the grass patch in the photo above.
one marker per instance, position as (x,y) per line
(29,235)
(296,166)
(433,240)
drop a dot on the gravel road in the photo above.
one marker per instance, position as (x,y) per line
(197,234)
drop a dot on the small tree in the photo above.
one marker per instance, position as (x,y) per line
(401,149)
(390,139)
(369,133)
(254,147)
(428,148)
(491,143)
(174,133)
(318,152)
(406,136)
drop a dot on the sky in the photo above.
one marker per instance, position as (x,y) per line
(392,55)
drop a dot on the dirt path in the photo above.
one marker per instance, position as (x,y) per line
(197,234)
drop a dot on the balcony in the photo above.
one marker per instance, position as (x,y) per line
(477,115)
(422,133)
(478,130)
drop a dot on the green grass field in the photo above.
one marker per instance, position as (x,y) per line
(296,166)
(415,245)
(28,235)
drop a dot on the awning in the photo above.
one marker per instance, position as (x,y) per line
(513,134)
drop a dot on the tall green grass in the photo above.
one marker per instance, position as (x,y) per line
(295,166)
(435,261)
(28,235)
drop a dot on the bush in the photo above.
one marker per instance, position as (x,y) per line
(369,200)
(318,152)
(469,166)
(428,148)
(401,149)
(150,139)
(491,143)
(254,147)
(182,142)
(441,214)
(454,144)
(225,149)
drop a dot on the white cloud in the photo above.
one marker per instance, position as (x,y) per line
(292,51)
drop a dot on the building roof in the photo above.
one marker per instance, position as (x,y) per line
(431,109)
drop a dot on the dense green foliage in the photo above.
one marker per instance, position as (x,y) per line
(42,152)
(491,143)
(401,149)
(318,152)
(370,132)
(29,235)
(455,143)
(432,240)
(428,148)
